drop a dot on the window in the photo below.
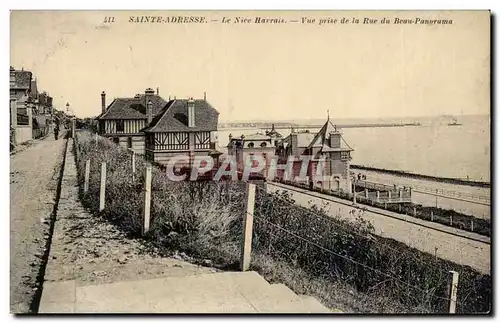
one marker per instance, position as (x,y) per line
(250,145)
(129,142)
(264,144)
(120,126)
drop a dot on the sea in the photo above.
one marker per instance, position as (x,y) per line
(432,148)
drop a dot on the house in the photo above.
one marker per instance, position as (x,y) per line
(124,118)
(326,148)
(327,145)
(186,127)
(244,147)
(42,111)
(21,106)
(161,129)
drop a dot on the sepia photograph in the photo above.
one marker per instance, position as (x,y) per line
(331,162)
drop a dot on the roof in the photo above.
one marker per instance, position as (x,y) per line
(33,89)
(256,136)
(22,80)
(174,117)
(133,108)
(44,99)
(273,132)
(321,139)
(304,139)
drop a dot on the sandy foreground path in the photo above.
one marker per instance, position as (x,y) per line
(34,173)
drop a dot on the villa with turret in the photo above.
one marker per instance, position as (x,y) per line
(326,147)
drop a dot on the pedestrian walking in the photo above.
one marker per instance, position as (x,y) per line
(56,132)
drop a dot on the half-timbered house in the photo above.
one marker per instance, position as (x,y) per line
(184,127)
(124,118)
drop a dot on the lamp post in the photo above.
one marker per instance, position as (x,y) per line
(71,116)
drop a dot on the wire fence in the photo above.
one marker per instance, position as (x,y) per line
(337,249)
(210,216)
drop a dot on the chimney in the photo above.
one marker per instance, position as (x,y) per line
(157,90)
(148,93)
(191,113)
(103,101)
(150,112)
(205,96)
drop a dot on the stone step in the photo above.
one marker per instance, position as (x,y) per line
(226,292)
(277,298)
(311,305)
(207,293)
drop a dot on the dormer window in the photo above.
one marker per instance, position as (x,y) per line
(264,144)
(250,145)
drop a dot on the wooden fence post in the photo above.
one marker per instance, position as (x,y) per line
(414,211)
(133,165)
(451,220)
(472,225)
(87,175)
(432,216)
(246,249)
(452,291)
(147,200)
(102,192)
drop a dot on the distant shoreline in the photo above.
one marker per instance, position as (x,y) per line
(425,177)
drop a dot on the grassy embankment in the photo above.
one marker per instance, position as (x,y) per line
(204,221)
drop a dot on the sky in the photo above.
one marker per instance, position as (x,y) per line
(262,71)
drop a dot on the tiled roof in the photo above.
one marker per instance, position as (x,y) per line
(33,89)
(304,139)
(22,80)
(174,117)
(133,108)
(321,139)
(44,99)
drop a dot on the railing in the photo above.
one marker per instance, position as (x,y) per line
(374,186)
(453,194)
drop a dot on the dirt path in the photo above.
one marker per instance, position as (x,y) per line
(90,250)
(33,182)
